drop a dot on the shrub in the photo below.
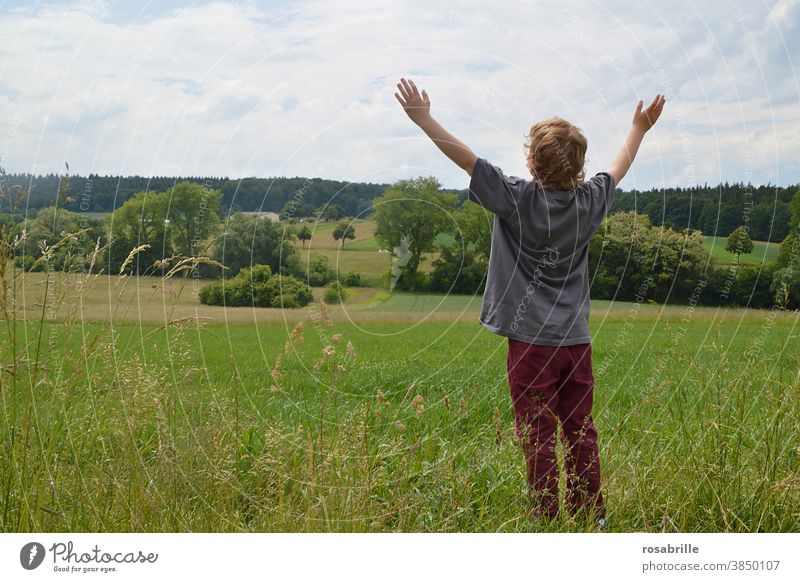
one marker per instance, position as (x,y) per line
(257,287)
(28,263)
(287,291)
(785,288)
(319,271)
(752,287)
(352,279)
(212,294)
(457,272)
(335,292)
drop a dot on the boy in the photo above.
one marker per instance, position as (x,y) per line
(537,289)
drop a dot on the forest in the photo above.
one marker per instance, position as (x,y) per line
(715,210)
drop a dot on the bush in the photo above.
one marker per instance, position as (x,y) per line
(352,279)
(288,291)
(319,271)
(212,294)
(28,263)
(257,287)
(785,288)
(456,272)
(751,288)
(335,292)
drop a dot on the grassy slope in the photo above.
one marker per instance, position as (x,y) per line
(762,251)
(698,414)
(694,437)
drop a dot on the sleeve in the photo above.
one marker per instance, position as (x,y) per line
(603,188)
(493,190)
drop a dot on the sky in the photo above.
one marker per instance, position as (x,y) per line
(307,88)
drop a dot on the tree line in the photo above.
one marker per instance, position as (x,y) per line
(715,210)
(94,193)
(417,220)
(631,257)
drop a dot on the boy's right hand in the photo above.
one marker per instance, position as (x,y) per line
(644,120)
(417,106)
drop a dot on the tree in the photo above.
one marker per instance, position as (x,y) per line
(296,209)
(629,256)
(193,215)
(51,225)
(331,212)
(304,234)
(138,222)
(248,240)
(475,227)
(739,242)
(344,231)
(770,221)
(794,207)
(789,252)
(409,216)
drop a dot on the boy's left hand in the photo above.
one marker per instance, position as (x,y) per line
(417,106)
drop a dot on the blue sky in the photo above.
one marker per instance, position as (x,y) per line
(306,88)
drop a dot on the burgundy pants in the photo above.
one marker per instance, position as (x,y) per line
(550,384)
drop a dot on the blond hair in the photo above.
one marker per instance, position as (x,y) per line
(556,152)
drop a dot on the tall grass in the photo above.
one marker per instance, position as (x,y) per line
(332,426)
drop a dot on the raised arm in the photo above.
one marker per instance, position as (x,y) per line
(418,108)
(642,122)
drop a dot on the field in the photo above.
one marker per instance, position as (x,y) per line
(763,252)
(362,254)
(159,414)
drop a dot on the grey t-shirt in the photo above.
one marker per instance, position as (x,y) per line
(537,287)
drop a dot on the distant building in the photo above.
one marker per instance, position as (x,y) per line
(273,216)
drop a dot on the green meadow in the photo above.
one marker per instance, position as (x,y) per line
(388,413)
(763,252)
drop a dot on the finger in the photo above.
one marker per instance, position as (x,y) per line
(425,96)
(639,107)
(407,87)
(655,101)
(403,91)
(403,103)
(413,87)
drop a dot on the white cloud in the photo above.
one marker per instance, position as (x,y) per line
(223,89)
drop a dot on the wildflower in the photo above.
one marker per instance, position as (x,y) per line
(274,388)
(336,337)
(418,404)
(328,351)
(276,369)
(287,346)
(297,333)
(326,318)
(462,406)
(447,402)
(399,425)
(381,397)
(351,350)
(318,364)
